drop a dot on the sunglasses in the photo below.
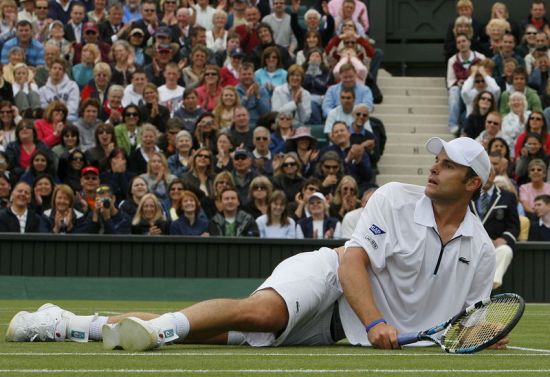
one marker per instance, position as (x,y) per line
(201,155)
(261,138)
(289,164)
(532,118)
(210,74)
(479,81)
(240,157)
(364,115)
(259,188)
(349,43)
(42,8)
(102,132)
(149,10)
(531,33)
(132,115)
(331,167)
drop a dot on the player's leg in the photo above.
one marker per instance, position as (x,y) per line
(504,256)
(206,322)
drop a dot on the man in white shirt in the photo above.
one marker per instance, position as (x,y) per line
(171,94)
(204,14)
(414,245)
(17,218)
(133,93)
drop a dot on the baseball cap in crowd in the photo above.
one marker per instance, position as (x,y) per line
(137,30)
(242,152)
(464,151)
(89,26)
(163,31)
(89,170)
(318,195)
(237,52)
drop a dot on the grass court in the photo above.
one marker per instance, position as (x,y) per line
(529,354)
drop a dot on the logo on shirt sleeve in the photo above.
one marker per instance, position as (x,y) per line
(376,230)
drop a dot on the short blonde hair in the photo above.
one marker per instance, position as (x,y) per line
(102,67)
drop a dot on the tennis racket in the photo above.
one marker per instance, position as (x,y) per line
(476,327)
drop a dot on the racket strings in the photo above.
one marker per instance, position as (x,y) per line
(481,325)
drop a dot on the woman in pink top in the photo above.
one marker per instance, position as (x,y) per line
(538,186)
(49,128)
(209,92)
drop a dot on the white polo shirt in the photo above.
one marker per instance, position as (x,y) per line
(417,283)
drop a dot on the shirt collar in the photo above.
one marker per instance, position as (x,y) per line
(424,215)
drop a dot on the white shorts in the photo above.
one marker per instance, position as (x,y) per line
(308,282)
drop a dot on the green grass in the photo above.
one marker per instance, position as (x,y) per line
(71,359)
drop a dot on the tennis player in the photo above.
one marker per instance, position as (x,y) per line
(417,257)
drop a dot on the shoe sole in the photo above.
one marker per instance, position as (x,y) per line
(135,336)
(111,336)
(10,332)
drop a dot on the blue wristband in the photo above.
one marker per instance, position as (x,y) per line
(374,323)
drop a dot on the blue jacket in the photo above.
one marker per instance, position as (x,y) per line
(256,107)
(307,225)
(363,95)
(182,227)
(279,78)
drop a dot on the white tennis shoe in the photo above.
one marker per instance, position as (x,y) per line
(132,334)
(48,323)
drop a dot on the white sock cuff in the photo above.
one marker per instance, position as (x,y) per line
(96,325)
(182,324)
(235,338)
(78,328)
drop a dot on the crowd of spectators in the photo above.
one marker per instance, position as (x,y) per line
(186,117)
(497,80)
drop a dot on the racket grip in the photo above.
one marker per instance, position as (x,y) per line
(407,338)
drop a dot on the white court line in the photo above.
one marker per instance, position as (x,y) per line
(529,349)
(278,371)
(260,354)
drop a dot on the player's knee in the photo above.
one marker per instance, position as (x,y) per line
(267,311)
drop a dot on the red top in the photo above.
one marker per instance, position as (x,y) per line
(521,139)
(228,78)
(208,102)
(249,38)
(45,132)
(25,157)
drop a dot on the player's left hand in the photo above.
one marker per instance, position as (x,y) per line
(501,344)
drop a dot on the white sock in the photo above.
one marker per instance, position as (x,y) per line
(95,327)
(182,324)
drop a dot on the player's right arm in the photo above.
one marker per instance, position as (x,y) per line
(354,278)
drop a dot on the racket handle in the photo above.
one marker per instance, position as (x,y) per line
(407,338)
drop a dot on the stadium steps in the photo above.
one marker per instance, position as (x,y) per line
(414,109)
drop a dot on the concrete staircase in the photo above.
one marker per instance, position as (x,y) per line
(414,109)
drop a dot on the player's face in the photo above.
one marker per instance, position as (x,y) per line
(447,180)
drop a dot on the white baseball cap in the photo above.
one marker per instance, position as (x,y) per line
(464,151)
(317,195)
